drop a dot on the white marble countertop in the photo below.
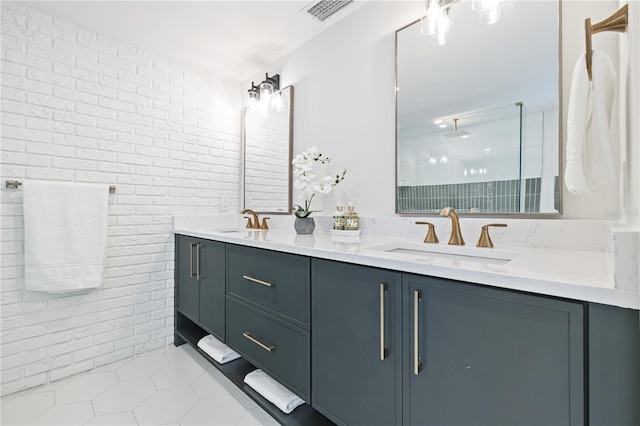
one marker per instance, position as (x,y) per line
(579,275)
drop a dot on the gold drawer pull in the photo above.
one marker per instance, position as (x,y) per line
(262,345)
(417,365)
(198,276)
(255,280)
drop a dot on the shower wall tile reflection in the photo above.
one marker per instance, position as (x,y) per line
(496,196)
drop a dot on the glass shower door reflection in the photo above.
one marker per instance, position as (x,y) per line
(486,161)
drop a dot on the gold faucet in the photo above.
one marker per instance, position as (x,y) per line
(456,236)
(256,221)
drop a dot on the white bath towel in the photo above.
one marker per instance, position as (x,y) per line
(65,235)
(217,350)
(273,391)
(589,150)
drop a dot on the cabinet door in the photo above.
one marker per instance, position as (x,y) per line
(356,344)
(490,357)
(187,299)
(212,287)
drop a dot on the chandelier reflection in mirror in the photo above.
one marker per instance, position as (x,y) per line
(436,18)
(266,97)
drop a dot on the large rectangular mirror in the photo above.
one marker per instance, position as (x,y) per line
(268,149)
(478,119)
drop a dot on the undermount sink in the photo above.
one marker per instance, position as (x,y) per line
(444,251)
(227,230)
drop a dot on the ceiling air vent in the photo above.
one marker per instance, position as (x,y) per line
(324,9)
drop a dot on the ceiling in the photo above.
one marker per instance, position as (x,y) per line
(234,39)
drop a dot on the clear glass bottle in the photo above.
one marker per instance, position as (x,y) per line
(351,221)
(338,218)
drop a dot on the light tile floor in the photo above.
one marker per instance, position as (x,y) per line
(170,386)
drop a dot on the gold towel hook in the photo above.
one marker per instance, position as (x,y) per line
(617,22)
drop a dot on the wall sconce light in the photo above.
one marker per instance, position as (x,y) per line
(266,96)
(254,96)
(436,22)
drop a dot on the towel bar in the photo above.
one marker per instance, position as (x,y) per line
(16,184)
(616,22)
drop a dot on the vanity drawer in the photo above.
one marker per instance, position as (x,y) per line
(277,282)
(277,347)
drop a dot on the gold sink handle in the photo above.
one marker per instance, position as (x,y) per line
(431,237)
(249,223)
(485,238)
(264,223)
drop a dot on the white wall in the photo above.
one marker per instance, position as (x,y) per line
(345,104)
(77,106)
(630,125)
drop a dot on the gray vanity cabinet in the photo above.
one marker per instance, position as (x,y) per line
(356,340)
(268,311)
(483,356)
(200,283)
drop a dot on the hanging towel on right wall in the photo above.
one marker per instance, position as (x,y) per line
(589,156)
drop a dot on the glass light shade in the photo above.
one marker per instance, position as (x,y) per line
(253,99)
(277,104)
(431,10)
(491,11)
(443,27)
(480,5)
(266,90)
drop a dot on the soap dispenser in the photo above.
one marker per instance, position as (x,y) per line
(338,218)
(351,221)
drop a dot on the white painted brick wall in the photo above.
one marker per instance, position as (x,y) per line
(78,106)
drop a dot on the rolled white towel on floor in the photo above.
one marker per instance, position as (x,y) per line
(273,391)
(217,350)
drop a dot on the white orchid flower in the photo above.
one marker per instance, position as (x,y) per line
(303,165)
(312,152)
(322,187)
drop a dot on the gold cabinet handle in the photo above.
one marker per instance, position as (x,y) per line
(417,365)
(191,274)
(257,342)
(198,276)
(383,351)
(255,280)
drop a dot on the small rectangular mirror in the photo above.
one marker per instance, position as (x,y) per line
(268,150)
